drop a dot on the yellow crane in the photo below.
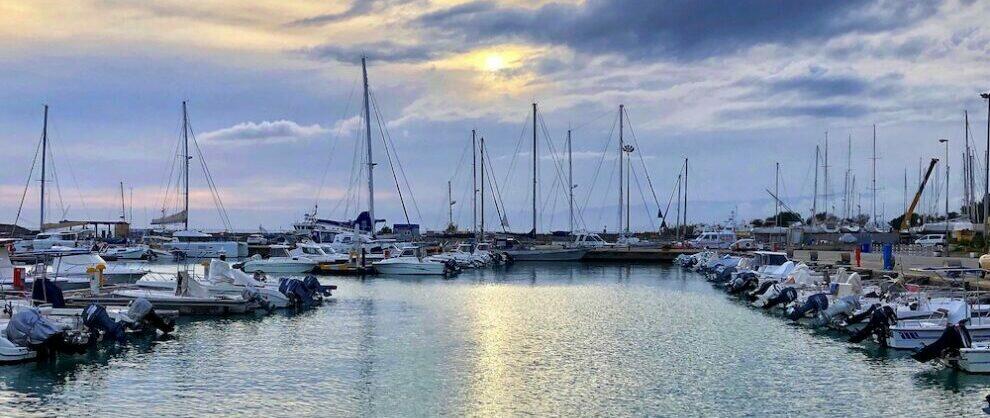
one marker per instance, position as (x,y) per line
(906,221)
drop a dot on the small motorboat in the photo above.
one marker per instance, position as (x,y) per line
(76,266)
(411,262)
(321,254)
(279,262)
(222,280)
(128,252)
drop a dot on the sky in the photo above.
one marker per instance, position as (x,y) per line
(274,97)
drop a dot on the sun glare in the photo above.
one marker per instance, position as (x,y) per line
(494,62)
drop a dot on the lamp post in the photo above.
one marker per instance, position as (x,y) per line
(946,142)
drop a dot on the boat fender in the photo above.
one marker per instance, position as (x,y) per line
(95,318)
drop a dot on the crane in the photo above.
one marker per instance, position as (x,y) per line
(906,220)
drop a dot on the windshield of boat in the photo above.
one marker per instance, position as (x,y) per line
(278,252)
(409,252)
(312,250)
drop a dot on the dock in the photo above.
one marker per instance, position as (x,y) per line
(637,254)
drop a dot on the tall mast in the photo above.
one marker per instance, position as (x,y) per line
(874,181)
(534,170)
(185,163)
(123,209)
(621,145)
(628,184)
(685,195)
(825,182)
(776,196)
(44,156)
(450,206)
(482,188)
(371,162)
(570,184)
(677,222)
(847,193)
(474,185)
(814,199)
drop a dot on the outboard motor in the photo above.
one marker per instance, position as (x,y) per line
(313,283)
(842,307)
(95,318)
(752,296)
(299,295)
(953,338)
(46,290)
(815,303)
(750,282)
(725,274)
(28,328)
(881,318)
(141,311)
(787,295)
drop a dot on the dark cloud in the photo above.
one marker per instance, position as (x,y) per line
(818,111)
(679,29)
(356,9)
(384,51)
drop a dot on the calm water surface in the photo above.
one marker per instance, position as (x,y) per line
(573,339)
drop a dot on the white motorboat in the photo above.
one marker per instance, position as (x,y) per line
(65,239)
(196,244)
(257,239)
(279,262)
(74,266)
(917,333)
(585,239)
(128,252)
(320,253)
(221,280)
(410,262)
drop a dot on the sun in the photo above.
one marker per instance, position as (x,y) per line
(494,62)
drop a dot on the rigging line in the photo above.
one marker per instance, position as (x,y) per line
(646,207)
(558,165)
(515,154)
(167,180)
(58,185)
(663,219)
(402,170)
(357,168)
(497,195)
(642,160)
(611,175)
(594,179)
(27,184)
(72,175)
(593,120)
(214,191)
(333,143)
(391,167)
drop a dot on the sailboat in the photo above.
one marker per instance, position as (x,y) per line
(542,253)
(189,243)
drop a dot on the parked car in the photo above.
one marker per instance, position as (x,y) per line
(931,240)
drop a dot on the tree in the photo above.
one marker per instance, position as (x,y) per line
(786,219)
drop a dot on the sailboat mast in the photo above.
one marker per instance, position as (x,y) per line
(776,196)
(534,170)
(570,184)
(474,185)
(185,163)
(482,188)
(44,156)
(825,182)
(123,209)
(874,181)
(685,224)
(450,206)
(367,131)
(814,199)
(621,145)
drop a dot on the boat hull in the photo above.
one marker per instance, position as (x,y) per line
(973,360)
(285,268)
(570,254)
(911,338)
(415,269)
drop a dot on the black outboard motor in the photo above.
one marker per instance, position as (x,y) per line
(141,311)
(815,303)
(953,338)
(724,275)
(881,319)
(297,292)
(313,284)
(95,318)
(787,295)
(752,296)
(28,328)
(747,283)
(46,290)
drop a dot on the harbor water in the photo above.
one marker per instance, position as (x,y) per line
(543,339)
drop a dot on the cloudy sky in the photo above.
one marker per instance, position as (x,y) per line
(274,98)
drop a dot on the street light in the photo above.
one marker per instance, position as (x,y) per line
(946,142)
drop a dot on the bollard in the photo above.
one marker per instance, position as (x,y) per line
(859,257)
(18,280)
(888,257)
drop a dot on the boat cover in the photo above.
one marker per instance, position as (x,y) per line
(27,328)
(44,289)
(222,272)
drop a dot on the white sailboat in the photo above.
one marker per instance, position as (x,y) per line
(189,243)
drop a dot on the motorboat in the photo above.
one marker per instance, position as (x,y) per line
(196,244)
(280,261)
(585,239)
(74,266)
(320,253)
(128,252)
(410,262)
(189,297)
(917,333)
(257,239)
(47,240)
(714,239)
(222,279)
